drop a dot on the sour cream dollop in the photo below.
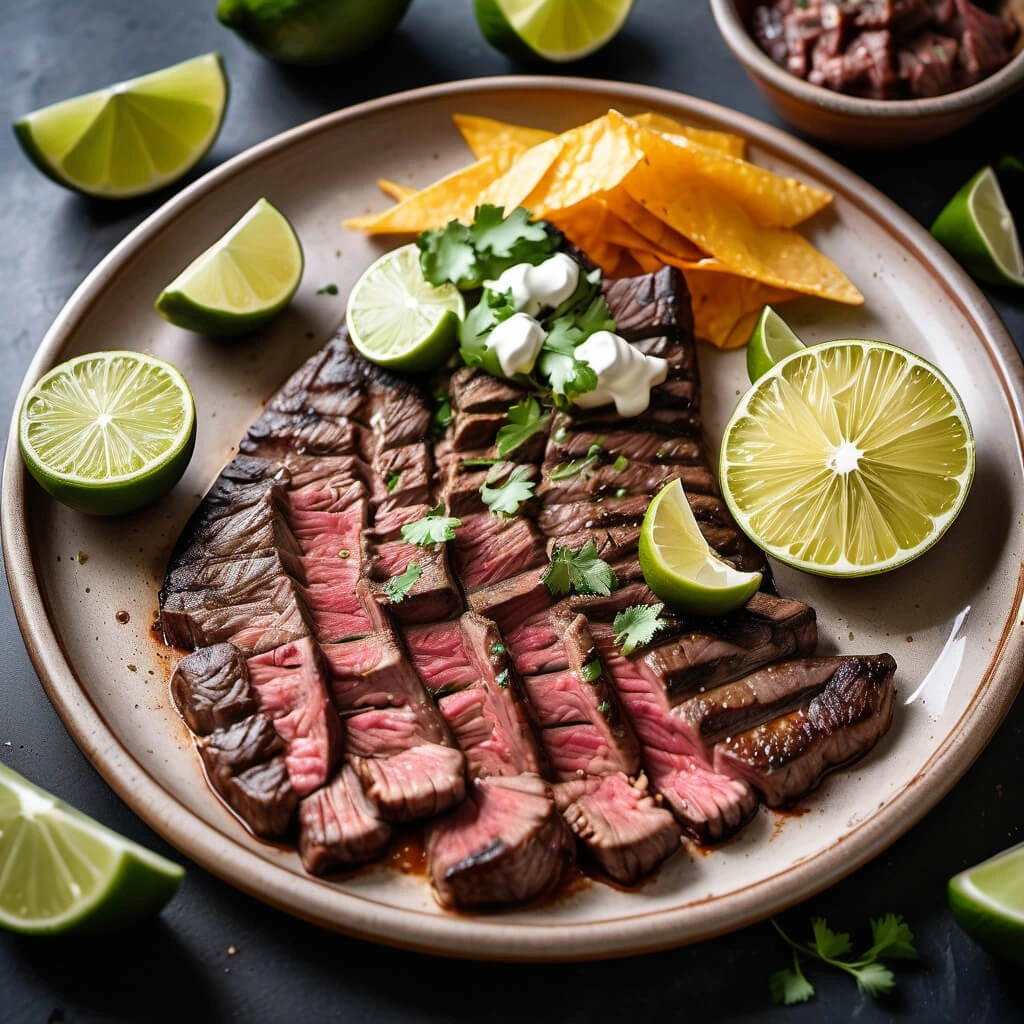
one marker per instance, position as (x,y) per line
(548,284)
(517,342)
(625,375)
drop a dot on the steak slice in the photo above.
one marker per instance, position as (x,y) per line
(291,684)
(339,826)
(567,443)
(505,844)
(211,688)
(634,479)
(788,756)
(652,305)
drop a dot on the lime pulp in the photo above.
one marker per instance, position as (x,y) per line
(108,432)
(62,871)
(131,138)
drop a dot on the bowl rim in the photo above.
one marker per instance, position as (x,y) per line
(982,94)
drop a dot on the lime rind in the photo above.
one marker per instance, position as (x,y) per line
(61,870)
(397,319)
(976,226)
(558,31)
(131,138)
(241,281)
(873,468)
(771,341)
(988,902)
(680,566)
(108,432)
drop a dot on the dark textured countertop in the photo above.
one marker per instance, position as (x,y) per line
(178,968)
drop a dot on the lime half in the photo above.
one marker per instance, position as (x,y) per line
(108,432)
(398,319)
(61,871)
(977,228)
(130,138)
(241,281)
(988,902)
(678,564)
(772,340)
(848,458)
(553,30)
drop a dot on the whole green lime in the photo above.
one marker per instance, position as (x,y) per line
(311,31)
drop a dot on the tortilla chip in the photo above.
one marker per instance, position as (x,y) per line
(725,307)
(454,197)
(595,157)
(486,137)
(585,226)
(733,145)
(393,190)
(717,224)
(512,188)
(647,261)
(661,238)
(773,201)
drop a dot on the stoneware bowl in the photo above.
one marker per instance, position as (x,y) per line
(851,120)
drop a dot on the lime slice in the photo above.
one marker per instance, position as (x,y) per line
(772,340)
(553,30)
(311,31)
(988,902)
(398,319)
(678,564)
(108,432)
(977,228)
(131,138)
(61,871)
(240,282)
(848,458)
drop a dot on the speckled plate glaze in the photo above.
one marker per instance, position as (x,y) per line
(85,589)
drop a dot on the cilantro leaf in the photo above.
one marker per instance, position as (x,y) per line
(875,979)
(447,255)
(892,938)
(443,415)
(582,572)
(434,528)
(391,483)
(565,470)
(596,317)
(505,498)
(636,626)
(789,986)
(502,242)
(828,944)
(525,418)
(397,588)
(491,310)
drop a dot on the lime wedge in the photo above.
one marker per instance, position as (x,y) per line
(108,432)
(311,31)
(977,228)
(398,319)
(678,564)
(244,279)
(848,458)
(131,138)
(553,30)
(988,902)
(772,340)
(61,871)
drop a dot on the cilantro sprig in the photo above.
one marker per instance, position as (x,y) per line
(504,498)
(891,938)
(466,255)
(637,625)
(434,528)
(397,588)
(525,419)
(580,572)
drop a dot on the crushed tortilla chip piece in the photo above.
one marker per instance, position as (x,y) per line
(393,190)
(733,145)
(454,197)
(487,137)
(726,307)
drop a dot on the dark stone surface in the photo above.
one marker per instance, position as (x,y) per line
(178,968)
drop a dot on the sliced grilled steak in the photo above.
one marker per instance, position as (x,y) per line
(211,688)
(291,684)
(606,481)
(474,391)
(652,305)
(788,756)
(567,443)
(339,826)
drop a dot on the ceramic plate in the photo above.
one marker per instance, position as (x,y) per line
(85,589)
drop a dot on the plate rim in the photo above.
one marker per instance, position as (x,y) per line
(498,937)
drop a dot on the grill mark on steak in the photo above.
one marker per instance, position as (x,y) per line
(788,756)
